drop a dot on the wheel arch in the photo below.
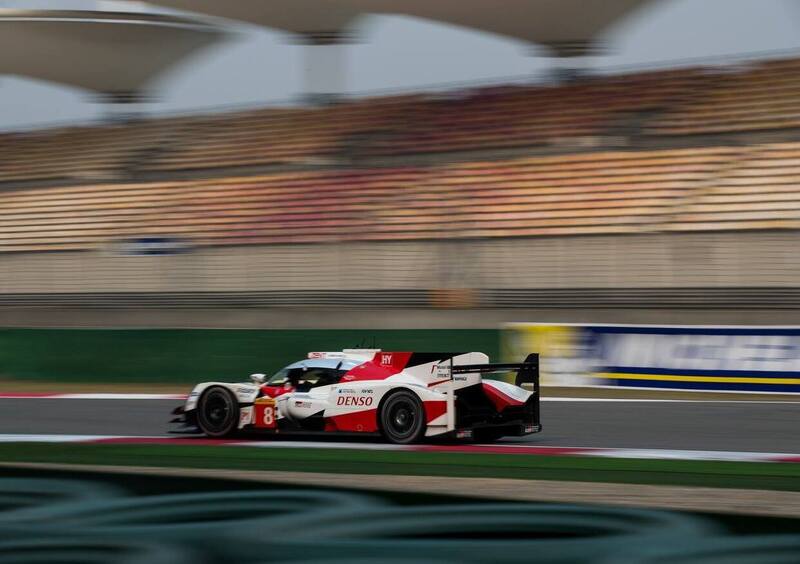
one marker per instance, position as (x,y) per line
(235,413)
(424,395)
(389,393)
(244,393)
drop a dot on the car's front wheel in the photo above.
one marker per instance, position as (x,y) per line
(403,418)
(218,412)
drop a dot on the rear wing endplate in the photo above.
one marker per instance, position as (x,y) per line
(527,372)
(527,375)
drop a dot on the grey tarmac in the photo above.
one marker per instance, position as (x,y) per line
(680,425)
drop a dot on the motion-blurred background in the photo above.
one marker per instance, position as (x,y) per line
(287,165)
(198,190)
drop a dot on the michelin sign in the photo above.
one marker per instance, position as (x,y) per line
(747,359)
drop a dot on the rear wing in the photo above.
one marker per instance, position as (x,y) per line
(527,371)
(527,374)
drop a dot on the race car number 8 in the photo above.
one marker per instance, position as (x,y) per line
(269,416)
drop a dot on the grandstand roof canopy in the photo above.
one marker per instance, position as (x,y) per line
(557,23)
(112,53)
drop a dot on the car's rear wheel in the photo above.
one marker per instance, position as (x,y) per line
(402,418)
(218,412)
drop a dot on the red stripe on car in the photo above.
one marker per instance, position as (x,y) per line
(361,421)
(382,365)
(498,398)
(434,409)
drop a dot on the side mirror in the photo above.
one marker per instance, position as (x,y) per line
(258,378)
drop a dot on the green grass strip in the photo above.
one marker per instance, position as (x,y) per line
(723,474)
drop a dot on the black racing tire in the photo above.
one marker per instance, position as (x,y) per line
(218,412)
(402,418)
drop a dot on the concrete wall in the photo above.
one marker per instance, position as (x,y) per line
(696,260)
(720,278)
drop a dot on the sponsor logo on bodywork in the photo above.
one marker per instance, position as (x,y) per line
(355,401)
(442,370)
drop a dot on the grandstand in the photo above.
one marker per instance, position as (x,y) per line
(655,160)
(759,97)
(635,110)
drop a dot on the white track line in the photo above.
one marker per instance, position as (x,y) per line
(53,438)
(666,454)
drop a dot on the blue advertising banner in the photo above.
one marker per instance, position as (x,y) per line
(746,359)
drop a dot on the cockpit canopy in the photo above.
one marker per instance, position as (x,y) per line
(312,373)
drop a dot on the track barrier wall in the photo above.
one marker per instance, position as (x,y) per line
(193,355)
(746,359)
(739,359)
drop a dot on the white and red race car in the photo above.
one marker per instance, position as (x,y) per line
(403,396)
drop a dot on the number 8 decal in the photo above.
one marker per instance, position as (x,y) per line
(269,416)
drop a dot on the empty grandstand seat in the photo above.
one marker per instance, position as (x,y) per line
(607,192)
(757,190)
(760,96)
(92,201)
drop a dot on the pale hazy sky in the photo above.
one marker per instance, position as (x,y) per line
(259,66)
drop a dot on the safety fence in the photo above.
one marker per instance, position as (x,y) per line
(741,359)
(65,520)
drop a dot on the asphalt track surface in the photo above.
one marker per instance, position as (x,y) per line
(677,425)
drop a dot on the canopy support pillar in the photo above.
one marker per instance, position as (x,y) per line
(573,58)
(124,106)
(324,66)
